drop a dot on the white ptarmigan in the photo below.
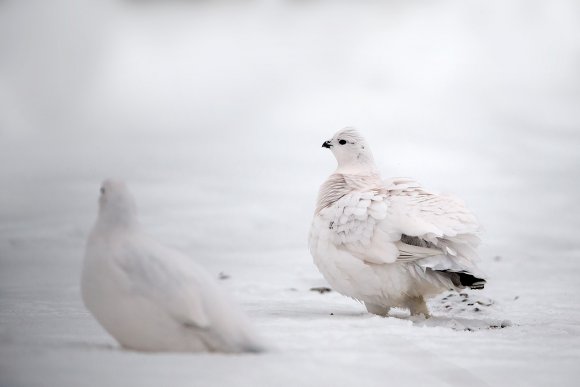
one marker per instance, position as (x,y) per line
(389,243)
(150,297)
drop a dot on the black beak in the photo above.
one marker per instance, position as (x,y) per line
(326,144)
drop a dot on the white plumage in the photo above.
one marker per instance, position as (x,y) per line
(150,297)
(389,243)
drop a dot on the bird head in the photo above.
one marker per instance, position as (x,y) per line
(116,204)
(351,151)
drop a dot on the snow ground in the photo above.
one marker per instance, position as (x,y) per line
(215,115)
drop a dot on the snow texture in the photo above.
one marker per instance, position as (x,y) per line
(215,113)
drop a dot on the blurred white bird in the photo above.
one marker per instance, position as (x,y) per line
(389,243)
(150,297)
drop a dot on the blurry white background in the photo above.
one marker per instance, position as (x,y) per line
(479,98)
(214,111)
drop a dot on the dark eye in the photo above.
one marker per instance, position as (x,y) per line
(342,142)
(102,190)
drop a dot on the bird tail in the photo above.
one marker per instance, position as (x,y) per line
(462,279)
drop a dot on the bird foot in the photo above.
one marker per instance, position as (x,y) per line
(379,310)
(417,306)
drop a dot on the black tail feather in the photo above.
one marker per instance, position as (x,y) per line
(463,279)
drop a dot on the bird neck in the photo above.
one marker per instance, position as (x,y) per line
(356,163)
(339,184)
(117,220)
(361,166)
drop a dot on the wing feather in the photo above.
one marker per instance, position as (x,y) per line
(169,279)
(353,221)
(379,226)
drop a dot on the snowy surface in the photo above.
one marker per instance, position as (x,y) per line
(215,115)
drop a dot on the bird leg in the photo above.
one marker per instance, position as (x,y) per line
(418,306)
(377,309)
